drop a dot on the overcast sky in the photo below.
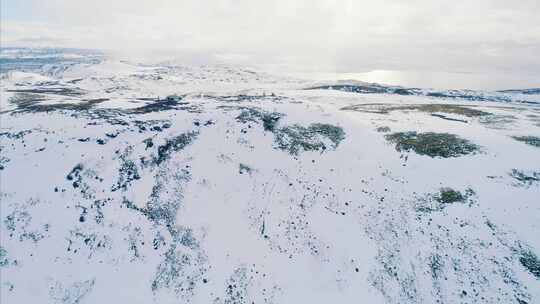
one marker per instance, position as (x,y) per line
(342,35)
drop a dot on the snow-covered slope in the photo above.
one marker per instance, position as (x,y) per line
(130,183)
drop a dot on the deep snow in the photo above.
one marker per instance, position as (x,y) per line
(131,183)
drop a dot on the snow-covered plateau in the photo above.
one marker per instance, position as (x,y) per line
(124,182)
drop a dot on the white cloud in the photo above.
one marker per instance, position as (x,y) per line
(343,35)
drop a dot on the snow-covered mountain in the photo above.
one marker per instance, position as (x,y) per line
(124,182)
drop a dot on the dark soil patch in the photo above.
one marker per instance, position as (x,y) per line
(127,174)
(530,140)
(525,179)
(451,109)
(497,121)
(247,98)
(448,118)
(243,168)
(162,105)
(31,104)
(172,145)
(530,261)
(17,135)
(152,125)
(55,91)
(316,137)
(427,108)
(268,119)
(449,196)
(445,197)
(75,175)
(443,145)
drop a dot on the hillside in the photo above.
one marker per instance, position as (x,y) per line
(124,182)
